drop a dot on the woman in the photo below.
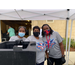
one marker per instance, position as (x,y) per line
(21,34)
(54,45)
(40,46)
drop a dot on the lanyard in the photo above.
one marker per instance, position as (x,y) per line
(48,40)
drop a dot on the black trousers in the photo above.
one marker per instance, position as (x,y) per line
(57,61)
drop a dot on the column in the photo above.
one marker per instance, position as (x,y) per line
(0,32)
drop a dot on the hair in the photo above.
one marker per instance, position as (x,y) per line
(21,27)
(36,27)
(10,26)
(51,31)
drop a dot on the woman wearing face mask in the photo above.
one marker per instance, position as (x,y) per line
(40,46)
(54,46)
(21,34)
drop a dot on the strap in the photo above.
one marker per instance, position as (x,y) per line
(48,40)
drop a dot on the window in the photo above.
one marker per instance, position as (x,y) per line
(49,21)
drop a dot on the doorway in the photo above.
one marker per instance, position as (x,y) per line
(15,24)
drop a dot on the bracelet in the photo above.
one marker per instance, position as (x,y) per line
(63,55)
(48,51)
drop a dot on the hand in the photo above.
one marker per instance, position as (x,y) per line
(49,61)
(7,33)
(63,60)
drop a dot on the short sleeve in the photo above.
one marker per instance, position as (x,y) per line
(59,38)
(28,39)
(11,39)
(8,30)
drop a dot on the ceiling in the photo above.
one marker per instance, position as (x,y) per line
(36,14)
(17,22)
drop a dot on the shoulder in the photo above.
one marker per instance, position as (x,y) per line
(58,36)
(29,38)
(8,29)
(55,33)
(13,38)
(11,28)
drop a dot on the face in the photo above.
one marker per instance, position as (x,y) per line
(46,28)
(36,30)
(9,27)
(22,30)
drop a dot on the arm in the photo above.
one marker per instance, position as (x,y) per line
(48,60)
(62,48)
(7,33)
(62,51)
(60,39)
(28,39)
(46,54)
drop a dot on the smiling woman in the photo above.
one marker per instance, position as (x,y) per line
(54,46)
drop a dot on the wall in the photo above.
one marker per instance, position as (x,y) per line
(3,27)
(57,25)
(73,30)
